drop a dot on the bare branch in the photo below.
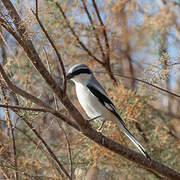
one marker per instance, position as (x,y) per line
(35,100)
(46,145)
(40,147)
(145,82)
(57,108)
(37,8)
(105,64)
(20,91)
(104,33)
(93,26)
(55,49)
(76,36)
(24,108)
(4,99)
(107,60)
(173,64)
(68,148)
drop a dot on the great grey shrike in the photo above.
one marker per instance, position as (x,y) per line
(95,101)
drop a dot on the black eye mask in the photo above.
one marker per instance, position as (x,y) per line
(80,71)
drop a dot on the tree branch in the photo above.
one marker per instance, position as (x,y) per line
(35,100)
(94,29)
(64,172)
(62,129)
(54,47)
(104,32)
(105,64)
(25,108)
(9,122)
(77,37)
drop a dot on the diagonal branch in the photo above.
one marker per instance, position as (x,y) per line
(29,49)
(145,82)
(9,122)
(62,129)
(54,47)
(107,59)
(77,37)
(20,91)
(35,100)
(64,172)
(40,147)
(106,63)
(104,32)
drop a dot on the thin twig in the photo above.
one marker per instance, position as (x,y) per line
(25,108)
(68,148)
(55,49)
(37,7)
(20,91)
(57,109)
(40,147)
(35,100)
(104,32)
(107,59)
(145,82)
(173,64)
(47,61)
(4,99)
(76,36)
(64,172)
(94,29)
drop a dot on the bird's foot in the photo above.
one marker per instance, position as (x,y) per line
(93,118)
(100,127)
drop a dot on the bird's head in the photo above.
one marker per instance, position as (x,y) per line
(79,73)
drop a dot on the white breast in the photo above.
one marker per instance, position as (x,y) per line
(89,102)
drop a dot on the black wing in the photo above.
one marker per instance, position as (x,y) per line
(104,100)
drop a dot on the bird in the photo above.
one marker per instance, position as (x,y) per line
(95,101)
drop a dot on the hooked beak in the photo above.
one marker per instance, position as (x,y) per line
(69,76)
